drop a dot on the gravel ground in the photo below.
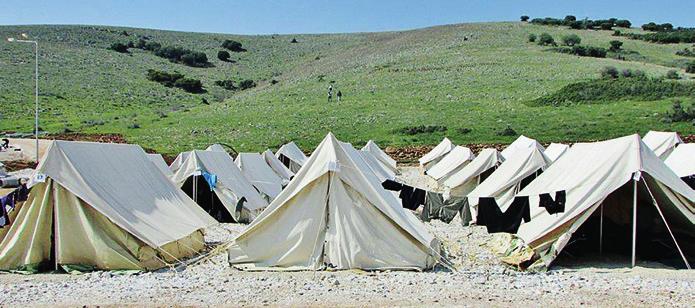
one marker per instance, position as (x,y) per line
(480,281)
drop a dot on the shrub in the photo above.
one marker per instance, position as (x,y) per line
(690,67)
(134,126)
(686,53)
(672,74)
(175,80)
(616,45)
(226,84)
(508,131)
(524,18)
(617,33)
(584,51)
(421,129)
(606,26)
(680,114)
(571,40)
(577,25)
(294,41)
(623,23)
(195,58)
(119,47)
(223,55)
(609,72)
(246,84)
(657,27)
(666,37)
(532,37)
(463,130)
(184,56)
(569,19)
(546,39)
(233,46)
(189,85)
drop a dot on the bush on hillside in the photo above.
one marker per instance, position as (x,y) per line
(119,47)
(524,18)
(606,26)
(532,37)
(617,33)
(652,26)
(189,85)
(546,39)
(569,18)
(508,131)
(609,72)
(226,84)
(613,89)
(176,80)
(690,67)
(233,46)
(183,55)
(686,53)
(247,84)
(623,23)
(670,37)
(571,40)
(421,129)
(223,55)
(584,51)
(680,114)
(672,74)
(615,46)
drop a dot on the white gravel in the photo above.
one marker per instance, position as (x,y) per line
(481,281)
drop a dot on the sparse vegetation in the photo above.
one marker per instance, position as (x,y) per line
(690,67)
(546,39)
(119,47)
(176,80)
(247,84)
(584,51)
(672,74)
(532,38)
(226,84)
(183,56)
(686,53)
(679,113)
(232,45)
(616,46)
(571,40)
(421,129)
(507,131)
(609,72)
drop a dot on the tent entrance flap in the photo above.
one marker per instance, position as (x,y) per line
(607,234)
(199,190)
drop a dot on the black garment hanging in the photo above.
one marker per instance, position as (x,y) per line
(490,215)
(392,185)
(553,206)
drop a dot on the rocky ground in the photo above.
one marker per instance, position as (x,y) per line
(480,281)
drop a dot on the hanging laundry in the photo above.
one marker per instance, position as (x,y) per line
(490,215)
(6,202)
(211,179)
(392,185)
(553,206)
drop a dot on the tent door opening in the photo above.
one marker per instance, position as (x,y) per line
(206,199)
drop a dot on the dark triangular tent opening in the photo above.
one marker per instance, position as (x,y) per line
(207,199)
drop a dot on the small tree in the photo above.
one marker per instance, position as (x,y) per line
(525,18)
(571,40)
(623,23)
(532,37)
(609,72)
(246,84)
(189,85)
(119,47)
(615,46)
(233,46)
(546,39)
(606,26)
(223,55)
(569,19)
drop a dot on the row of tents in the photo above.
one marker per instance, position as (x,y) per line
(588,194)
(112,206)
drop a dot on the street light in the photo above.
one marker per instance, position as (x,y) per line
(36,113)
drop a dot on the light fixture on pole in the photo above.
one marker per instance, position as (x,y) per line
(36,90)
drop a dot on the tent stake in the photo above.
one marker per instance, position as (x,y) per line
(600,238)
(687,264)
(634,222)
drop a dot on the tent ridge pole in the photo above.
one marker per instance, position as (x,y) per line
(600,239)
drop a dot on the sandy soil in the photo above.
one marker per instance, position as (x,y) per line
(480,281)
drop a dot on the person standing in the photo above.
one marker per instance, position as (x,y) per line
(330,92)
(339,95)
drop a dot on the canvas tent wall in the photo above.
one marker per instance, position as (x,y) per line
(259,174)
(277,166)
(555,150)
(604,183)
(216,148)
(335,214)
(510,177)
(436,154)
(682,162)
(101,206)
(229,192)
(372,148)
(465,180)
(159,162)
(521,143)
(291,156)
(380,170)
(178,161)
(452,162)
(662,143)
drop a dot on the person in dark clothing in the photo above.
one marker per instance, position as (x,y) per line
(339,95)
(5,144)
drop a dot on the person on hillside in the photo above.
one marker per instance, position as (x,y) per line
(330,92)
(5,144)
(339,95)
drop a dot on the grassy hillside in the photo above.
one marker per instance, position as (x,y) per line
(475,77)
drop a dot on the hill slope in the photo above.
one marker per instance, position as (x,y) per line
(465,77)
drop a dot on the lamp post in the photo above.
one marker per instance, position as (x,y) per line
(36,90)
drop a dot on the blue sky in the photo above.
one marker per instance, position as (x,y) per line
(313,16)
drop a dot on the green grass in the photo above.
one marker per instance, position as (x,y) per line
(389,81)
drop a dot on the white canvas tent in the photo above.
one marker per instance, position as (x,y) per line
(291,156)
(159,162)
(452,162)
(216,148)
(335,214)
(231,186)
(178,161)
(277,166)
(682,160)
(380,170)
(555,150)
(101,206)
(521,143)
(259,174)
(436,154)
(465,180)
(372,148)
(619,183)
(508,179)
(662,143)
